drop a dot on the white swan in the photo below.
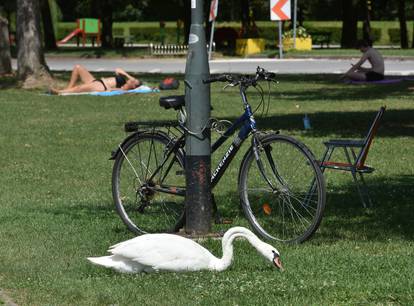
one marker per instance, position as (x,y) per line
(168,252)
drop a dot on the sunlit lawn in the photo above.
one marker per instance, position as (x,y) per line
(56,206)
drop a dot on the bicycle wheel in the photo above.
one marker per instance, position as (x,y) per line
(282,189)
(145,178)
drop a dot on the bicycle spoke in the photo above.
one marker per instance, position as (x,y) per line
(283,204)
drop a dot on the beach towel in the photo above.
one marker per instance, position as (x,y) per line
(140,90)
(384,81)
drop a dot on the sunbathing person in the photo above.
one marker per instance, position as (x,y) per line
(374,73)
(121,81)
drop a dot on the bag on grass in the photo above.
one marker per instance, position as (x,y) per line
(169,83)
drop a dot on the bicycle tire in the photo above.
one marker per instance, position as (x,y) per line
(142,209)
(285,201)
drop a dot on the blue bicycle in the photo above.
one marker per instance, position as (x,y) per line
(280,184)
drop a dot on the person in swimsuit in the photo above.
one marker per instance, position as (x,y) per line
(375,72)
(121,81)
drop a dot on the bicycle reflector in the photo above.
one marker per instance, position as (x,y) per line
(267,209)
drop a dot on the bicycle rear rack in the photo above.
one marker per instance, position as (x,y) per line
(171,128)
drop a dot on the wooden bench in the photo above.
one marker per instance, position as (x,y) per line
(123,40)
(321,37)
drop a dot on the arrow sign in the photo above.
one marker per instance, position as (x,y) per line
(213,10)
(279,9)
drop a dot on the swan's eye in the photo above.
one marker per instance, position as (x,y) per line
(273,251)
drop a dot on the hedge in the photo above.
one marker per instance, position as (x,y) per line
(143,32)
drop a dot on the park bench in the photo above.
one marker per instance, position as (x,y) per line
(123,40)
(321,38)
(355,161)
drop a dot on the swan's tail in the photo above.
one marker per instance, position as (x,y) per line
(105,261)
(117,263)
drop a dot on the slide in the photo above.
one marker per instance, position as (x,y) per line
(69,37)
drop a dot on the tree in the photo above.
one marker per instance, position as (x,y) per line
(48,31)
(366,26)
(31,64)
(5,57)
(349,23)
(403,24)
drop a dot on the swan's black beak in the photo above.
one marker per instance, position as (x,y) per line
(277,262)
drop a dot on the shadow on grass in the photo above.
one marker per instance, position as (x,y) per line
(8,82)
(345,218)
(390,217)
(395,123)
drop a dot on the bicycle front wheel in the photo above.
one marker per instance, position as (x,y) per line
(146,180)
(282,189)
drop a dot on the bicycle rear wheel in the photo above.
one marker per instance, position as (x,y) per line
(145,179)
(282,189)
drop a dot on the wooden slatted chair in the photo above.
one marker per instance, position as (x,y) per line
(355,160)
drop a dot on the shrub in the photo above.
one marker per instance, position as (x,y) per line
(394,35)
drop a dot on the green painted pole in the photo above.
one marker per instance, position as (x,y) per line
(197,161)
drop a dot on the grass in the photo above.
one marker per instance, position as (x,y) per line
(56,206)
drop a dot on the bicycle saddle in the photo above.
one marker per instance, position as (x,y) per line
(175,102)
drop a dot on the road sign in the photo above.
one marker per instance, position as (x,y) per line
(279,9)
(213,10)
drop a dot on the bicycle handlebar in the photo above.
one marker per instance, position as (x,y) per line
(237,79)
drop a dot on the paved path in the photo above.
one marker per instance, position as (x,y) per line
(285,66)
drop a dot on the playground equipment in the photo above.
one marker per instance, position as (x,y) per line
(85,27)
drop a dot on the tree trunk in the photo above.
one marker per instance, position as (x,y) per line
(349,23)
(403,24)
(245,18)
(103,9)
(187,21)
(5,56)
(366,27)
(48,30)
(31,64)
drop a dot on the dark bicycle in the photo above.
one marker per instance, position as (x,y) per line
(281,187)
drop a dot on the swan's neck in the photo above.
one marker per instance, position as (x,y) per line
(227,243)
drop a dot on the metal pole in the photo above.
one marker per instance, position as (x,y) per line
(295,8)
(211,39)
(197,160)
(280,40)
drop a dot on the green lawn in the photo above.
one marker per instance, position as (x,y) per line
(56,206)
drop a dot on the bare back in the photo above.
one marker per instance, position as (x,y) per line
(375,59)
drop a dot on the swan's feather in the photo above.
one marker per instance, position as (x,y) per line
(153,252)
(164,252)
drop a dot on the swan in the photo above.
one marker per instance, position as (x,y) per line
(169,252)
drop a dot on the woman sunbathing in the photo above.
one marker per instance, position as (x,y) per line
(121,81)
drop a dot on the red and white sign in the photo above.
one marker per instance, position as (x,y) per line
(213,10)
(279,9)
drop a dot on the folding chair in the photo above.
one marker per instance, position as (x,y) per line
(355,161)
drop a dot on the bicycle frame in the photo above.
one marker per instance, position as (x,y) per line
(245,123)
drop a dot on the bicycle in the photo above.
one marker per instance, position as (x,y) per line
(280,184)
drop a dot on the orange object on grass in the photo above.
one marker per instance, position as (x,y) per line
(267,209)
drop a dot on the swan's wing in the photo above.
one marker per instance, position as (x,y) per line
(165,252)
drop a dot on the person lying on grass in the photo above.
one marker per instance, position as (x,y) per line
(121,81)
(375,72)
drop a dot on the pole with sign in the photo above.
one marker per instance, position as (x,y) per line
(295,20)
(279,11)
(212,19)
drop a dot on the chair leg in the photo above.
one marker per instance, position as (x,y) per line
(358,188)
(326,156)
(366,190)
